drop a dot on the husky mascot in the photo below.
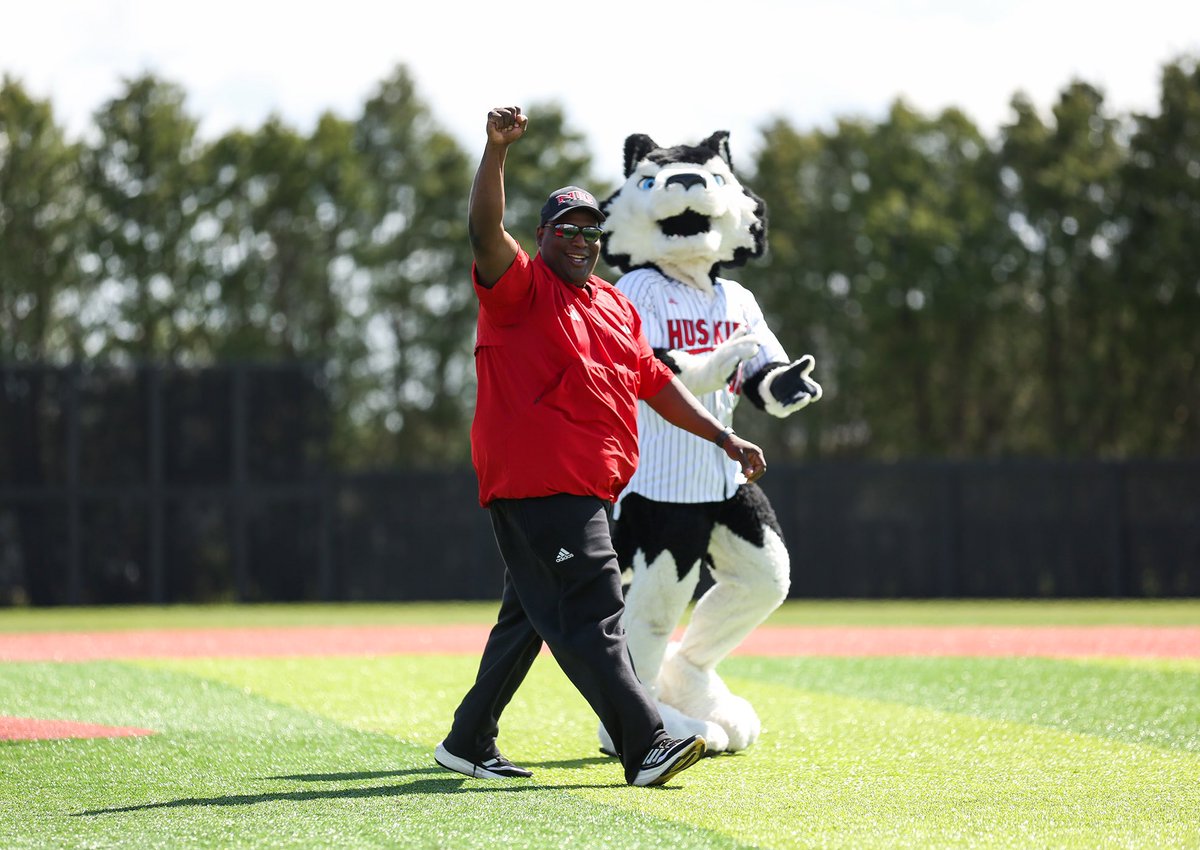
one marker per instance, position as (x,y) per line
(679,218)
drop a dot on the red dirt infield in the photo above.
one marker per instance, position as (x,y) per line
(32,729)
(1054,642)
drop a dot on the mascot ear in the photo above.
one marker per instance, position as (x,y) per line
(636,148)
(718,143)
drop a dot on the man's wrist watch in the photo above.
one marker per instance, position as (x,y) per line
(722,438)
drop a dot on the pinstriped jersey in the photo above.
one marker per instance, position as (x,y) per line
(676,466)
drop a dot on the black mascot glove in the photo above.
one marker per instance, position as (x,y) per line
(786,389)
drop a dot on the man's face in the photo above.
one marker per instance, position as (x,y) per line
(571,259)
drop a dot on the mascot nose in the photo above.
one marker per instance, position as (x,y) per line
(687,181)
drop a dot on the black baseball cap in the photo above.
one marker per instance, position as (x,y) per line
(562,201)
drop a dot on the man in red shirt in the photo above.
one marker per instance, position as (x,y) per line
(561,362)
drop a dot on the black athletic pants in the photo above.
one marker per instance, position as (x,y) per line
(562,586)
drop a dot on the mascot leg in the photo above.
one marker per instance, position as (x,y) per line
(663,546)
(752,573)
(654,603)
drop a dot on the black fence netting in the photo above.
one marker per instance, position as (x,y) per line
(173,485)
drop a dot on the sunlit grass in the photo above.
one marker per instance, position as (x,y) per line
(792,613)
(855,752)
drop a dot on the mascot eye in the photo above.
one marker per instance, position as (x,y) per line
(719,180)
(646,183)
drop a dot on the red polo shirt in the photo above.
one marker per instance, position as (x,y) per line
(560,371)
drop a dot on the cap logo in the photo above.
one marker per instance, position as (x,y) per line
(576,195)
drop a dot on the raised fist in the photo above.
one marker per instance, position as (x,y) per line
(506,124)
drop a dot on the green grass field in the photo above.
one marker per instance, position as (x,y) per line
(855,753)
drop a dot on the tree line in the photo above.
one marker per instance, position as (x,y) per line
(1035,293)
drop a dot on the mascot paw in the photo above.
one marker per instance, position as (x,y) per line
(702,694)
(789,388)
(739,720)
(712,370)
(678,725)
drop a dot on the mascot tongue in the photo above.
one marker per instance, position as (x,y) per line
(687,223)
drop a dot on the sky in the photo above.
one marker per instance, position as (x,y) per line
(676,71)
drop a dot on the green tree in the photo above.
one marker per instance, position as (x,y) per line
(40,200)
(930,237)
(883,241)
(40,203)
(803,283)
(1157,364)
(413,390)
(1062,180)
(141,178)
(1030,294)
(276,234)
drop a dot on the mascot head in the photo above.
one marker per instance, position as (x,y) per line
(683,211)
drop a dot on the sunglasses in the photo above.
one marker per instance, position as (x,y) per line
(570,231)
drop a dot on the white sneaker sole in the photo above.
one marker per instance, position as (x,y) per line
(450,761)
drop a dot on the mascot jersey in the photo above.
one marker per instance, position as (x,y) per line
(677,466)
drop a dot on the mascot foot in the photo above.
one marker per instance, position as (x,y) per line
(702,694)
(679,725)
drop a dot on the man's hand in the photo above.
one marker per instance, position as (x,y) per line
(676,404)
(506,124)
(750,456)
